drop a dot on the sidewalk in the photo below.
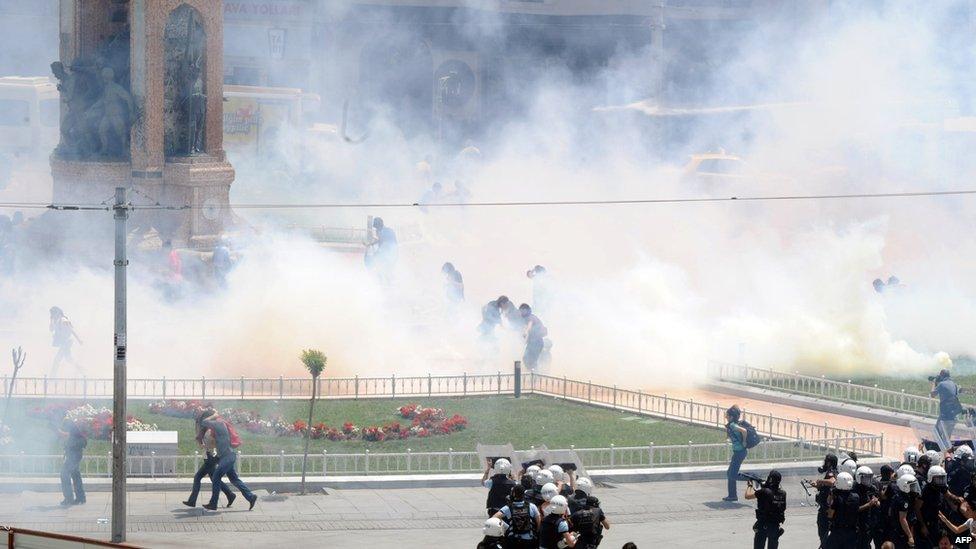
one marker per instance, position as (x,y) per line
(660,514)
(896,437)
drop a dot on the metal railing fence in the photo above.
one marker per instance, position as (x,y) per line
(821,387)
(325,464)
(698,413)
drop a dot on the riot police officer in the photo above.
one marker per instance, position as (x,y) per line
(588,519)
(499,485)
(824,486)
(843,506)
(901,516)
(932,498)
(886,487)
(770,511)
(960,469)
(868,514)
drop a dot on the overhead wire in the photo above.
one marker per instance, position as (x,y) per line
(521,203)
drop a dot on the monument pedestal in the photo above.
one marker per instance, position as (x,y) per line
(142,107)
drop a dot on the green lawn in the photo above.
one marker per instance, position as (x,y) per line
(527,421)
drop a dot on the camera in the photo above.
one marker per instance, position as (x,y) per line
(933,378)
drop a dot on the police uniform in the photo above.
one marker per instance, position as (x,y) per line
(867,520)
(843,526)
(520,517)
(932,497)
(770,514)
(960,474)
(552,530)
(879,531)
(499,488)
(823,523)
(900,503)
(587,521)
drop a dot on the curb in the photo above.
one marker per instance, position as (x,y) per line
(466,480)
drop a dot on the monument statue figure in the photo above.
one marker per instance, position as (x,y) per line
(114,110)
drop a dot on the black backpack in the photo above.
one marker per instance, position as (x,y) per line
(585,522)
(521,521)
(752,436)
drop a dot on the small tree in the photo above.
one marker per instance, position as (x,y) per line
(314,361)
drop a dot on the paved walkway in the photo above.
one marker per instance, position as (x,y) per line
(658,514)
(896,437)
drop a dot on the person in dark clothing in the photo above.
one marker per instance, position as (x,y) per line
(491,316)
(932,498)
(843,507)
(737,436)
(770,511)
(588,520)
(499,485)
(205,439)
(823,486)
(453,283)
(555,528)
(226,461)
(868,516)
(901,517)
(74,448)
(535,333)
(886,486)
(523,519)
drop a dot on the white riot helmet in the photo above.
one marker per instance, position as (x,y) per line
(904,470)
(937,475)
(494,527)
(503,467)
(557,506)
(544,477)
(908,484)
(549,491)
(584,485)
(962,451)
(911,454)
(557,472)
(865,475)
(533,471)
(849,466)
(935,456)
(844,481)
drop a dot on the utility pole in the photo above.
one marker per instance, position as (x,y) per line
(119,393)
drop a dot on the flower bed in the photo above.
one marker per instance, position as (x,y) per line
(424,422)
(94,422)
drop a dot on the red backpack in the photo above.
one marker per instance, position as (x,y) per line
(235,439)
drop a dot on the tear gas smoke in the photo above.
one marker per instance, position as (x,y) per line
(642,295)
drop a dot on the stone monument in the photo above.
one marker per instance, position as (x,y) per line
(141,106)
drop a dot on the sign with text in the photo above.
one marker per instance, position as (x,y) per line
(276,43)
(266,10)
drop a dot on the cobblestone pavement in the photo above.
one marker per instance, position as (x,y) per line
(658,514)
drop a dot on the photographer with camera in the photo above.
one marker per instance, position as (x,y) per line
(770,509)
(949,406)
(824,486)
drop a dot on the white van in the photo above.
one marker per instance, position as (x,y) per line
(29,115)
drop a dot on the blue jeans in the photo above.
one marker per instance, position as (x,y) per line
(206,470)
(226,466)
(71,473)
(733,474)
(943,429)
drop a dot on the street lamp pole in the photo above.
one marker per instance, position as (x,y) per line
(119,391)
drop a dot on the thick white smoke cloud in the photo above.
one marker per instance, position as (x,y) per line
(644,295)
